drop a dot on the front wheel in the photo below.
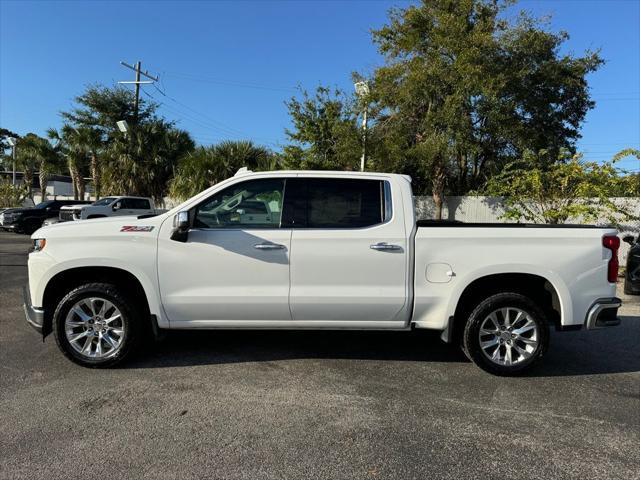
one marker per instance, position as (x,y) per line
(506,334)
(95,325)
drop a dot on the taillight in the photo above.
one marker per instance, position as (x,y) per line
(612,242)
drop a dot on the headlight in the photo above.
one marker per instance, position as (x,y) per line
(38,244)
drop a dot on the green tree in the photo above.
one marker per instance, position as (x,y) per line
(143,161)
(324,130)
(538,192)
(462,90)
(206,166)
(100,107)
(12,195)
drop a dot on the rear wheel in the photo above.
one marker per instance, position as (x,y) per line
(506,334)
(96,325)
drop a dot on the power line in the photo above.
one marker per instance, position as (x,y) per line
(230,83)
(209,121)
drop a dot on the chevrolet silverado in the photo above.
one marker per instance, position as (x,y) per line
(318,250)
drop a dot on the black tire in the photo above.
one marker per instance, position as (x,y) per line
(471,336)
(130,319)
(31,225)
(627,288)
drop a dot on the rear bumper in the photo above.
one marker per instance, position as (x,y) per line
(603,313)
(34,315)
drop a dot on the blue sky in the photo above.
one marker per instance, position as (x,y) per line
(228,67)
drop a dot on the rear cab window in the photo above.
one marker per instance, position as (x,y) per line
(336,203)
(136,203)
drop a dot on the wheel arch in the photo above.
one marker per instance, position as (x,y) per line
(66,280)
(549,292)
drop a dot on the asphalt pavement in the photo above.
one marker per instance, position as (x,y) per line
(307,405)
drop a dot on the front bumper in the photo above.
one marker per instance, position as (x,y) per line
(34,315)
(603,313)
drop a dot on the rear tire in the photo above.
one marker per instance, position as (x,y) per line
(506,334)
(96,325)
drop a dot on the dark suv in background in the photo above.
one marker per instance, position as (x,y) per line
(632,274)
(28,220)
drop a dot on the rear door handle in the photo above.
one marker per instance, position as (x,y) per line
(268,246)
(386,247)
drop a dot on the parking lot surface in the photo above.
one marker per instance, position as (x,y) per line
(321,405)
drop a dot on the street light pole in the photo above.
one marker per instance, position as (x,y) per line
(362,91)
(364,139)
(14,143)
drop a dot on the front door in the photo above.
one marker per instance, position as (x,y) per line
(235,264)
(349,254)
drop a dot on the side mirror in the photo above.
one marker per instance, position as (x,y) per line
(629,239)
(181,226)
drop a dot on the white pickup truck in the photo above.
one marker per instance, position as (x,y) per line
(318,250)
(108,207)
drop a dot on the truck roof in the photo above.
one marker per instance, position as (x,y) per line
(245,172)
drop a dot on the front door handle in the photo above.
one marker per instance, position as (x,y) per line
(268,246)
(385,247)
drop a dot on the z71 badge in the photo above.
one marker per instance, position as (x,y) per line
(135,228)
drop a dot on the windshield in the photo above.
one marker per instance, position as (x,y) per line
(44,205)
(103,201)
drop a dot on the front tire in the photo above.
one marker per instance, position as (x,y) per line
(506,334)
(96,325)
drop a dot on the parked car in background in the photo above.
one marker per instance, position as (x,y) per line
(319,250)
(632,273)
(108,207)
(28,220)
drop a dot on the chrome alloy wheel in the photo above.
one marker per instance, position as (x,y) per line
(94,328)
(508,336)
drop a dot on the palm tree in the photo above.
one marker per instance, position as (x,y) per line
(207,166)
(78,145)
(143,161)
(37,152)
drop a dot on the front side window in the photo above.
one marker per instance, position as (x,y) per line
(344,203)
(250,204)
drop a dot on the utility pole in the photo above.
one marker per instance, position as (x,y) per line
(138,82)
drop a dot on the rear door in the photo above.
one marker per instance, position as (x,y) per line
(349,252)
(127,207)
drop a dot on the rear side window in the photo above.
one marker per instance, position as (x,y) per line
(136,203)
(332,203)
